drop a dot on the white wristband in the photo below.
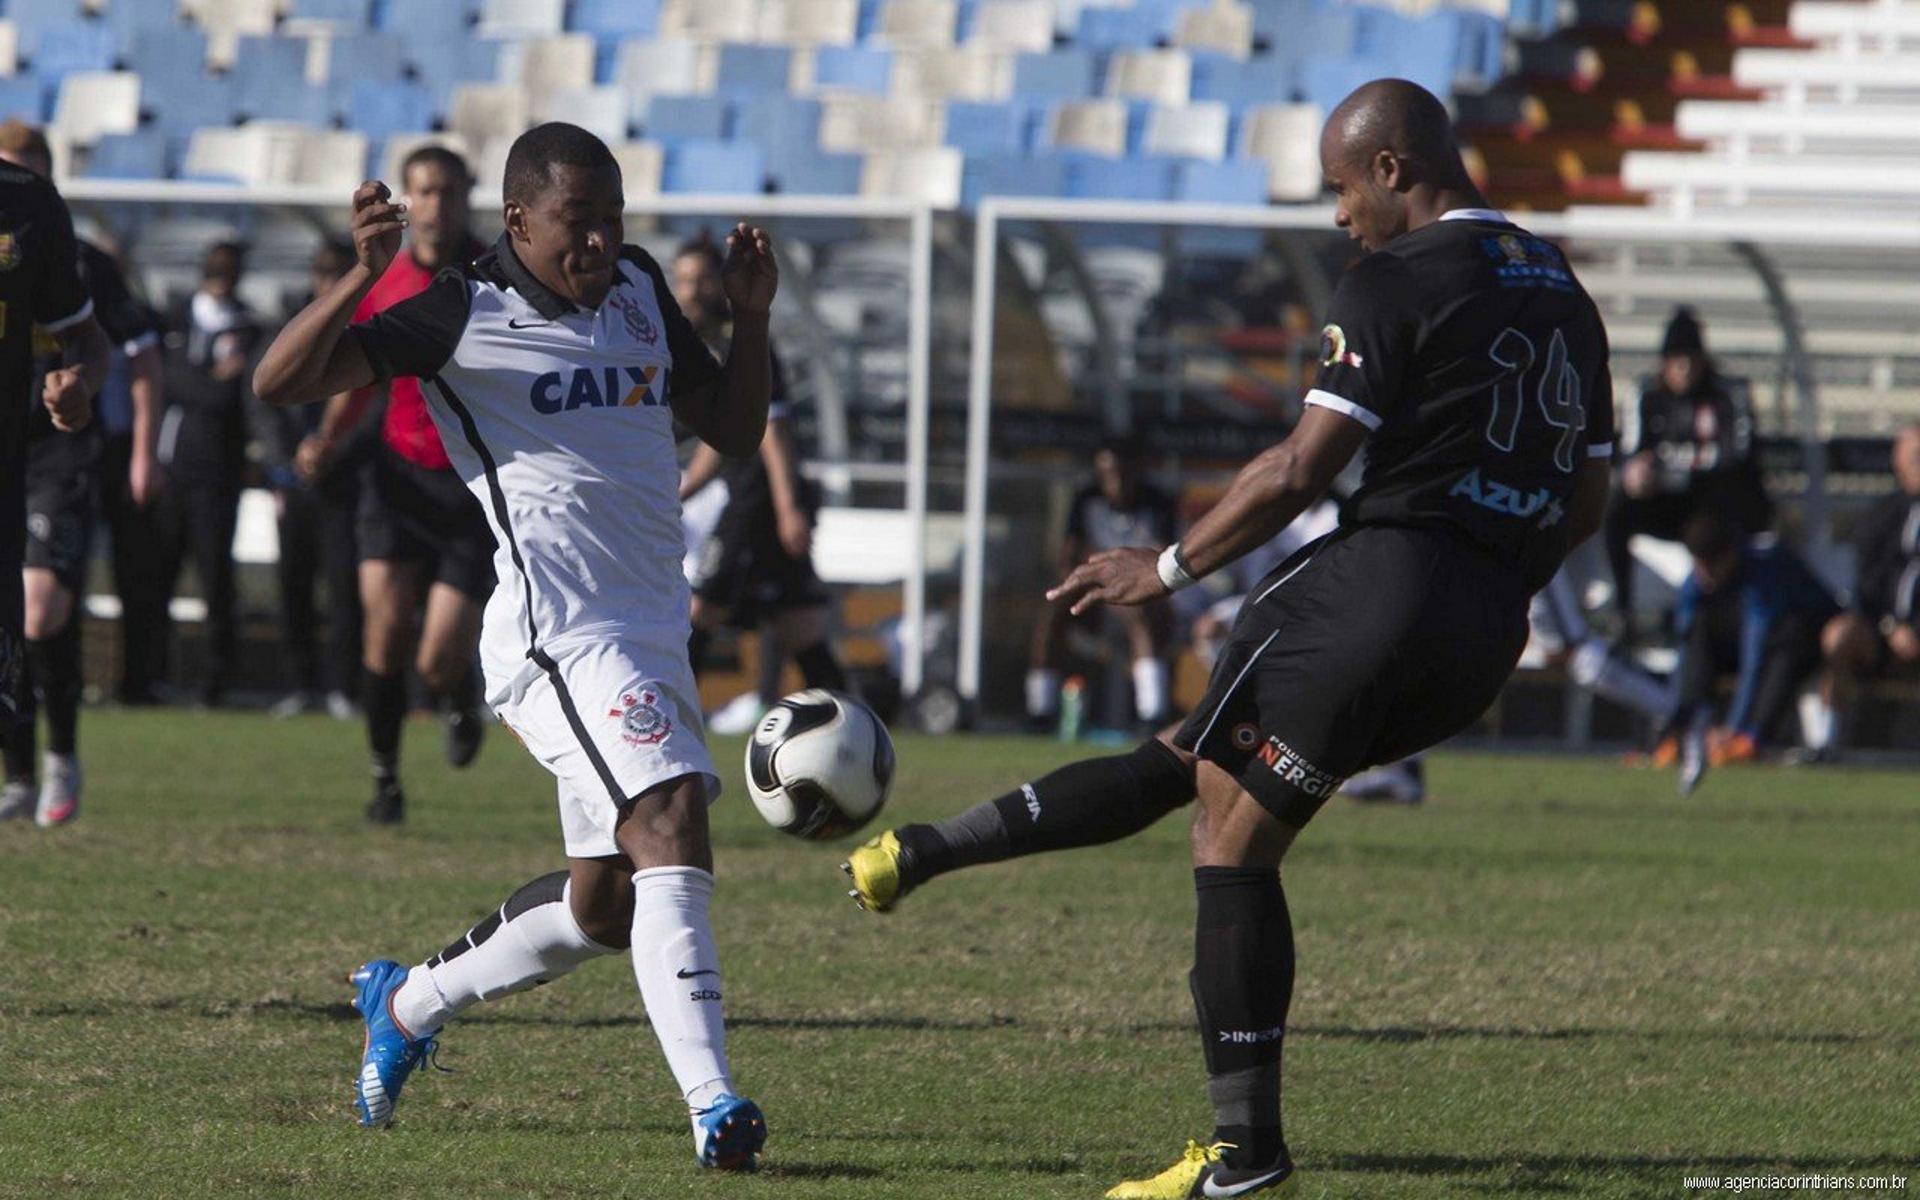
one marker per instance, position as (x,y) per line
(1172,574)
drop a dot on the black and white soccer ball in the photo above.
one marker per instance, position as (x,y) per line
(819,765)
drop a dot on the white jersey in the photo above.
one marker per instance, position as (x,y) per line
(557,419)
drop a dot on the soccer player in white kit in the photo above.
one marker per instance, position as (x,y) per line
(555,365)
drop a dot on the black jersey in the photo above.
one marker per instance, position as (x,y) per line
(1098,524)
(127,325)
(748,488)
(1480,363)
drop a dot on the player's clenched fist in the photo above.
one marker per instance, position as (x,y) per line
(67,399)
(377,223)
(749,274)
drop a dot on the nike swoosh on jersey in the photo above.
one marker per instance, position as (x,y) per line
(512,324)
(1210,1188)
(683,973)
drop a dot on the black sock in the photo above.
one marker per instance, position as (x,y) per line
(1242,983)
(55,663)
(386,705)
(17,739)
(819,667)
(1086,803)
(697,644)
(464,695)
(770,662)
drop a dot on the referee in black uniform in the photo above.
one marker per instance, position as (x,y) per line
(1462,352)
(39,285)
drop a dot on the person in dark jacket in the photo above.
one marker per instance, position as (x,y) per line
(1754,609)
(1695,449)
(203,445)
(1881,630)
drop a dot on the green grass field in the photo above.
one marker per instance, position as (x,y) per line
(1554,979)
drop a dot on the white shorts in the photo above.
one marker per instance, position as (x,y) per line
(611,720)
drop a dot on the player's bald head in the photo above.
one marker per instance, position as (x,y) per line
(1396,116)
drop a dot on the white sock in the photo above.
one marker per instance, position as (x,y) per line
(530,939)
(1043,692)
(679,975)
(1150,677)
(1819,723)
(1595,666)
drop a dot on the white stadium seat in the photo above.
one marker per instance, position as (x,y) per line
(544,65)
(602,111)
(522,18)
(1091,126)
(641,166)
(969,72)
(1163,76)
(92,103)
(1197,130)
(1854,27)
(711,20)
(855,124)
(1799,74)
(1016,25)
(1287,137)
(652,67)
(1224,27)
(810,22)
(929,174)
(480,111)
(916,23)
(9,48)
(226,21)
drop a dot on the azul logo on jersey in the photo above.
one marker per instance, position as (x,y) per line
(1508,500)
(599,387)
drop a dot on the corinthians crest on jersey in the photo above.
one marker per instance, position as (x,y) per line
(643,722)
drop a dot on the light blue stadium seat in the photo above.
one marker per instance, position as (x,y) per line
(615,19)
(1242,83)
(1326,82)
(128,20)
(270,83)
(182,101)
(381,109)
(32,18)
(1119,179)
(854,68)
(988,128)
(24,97)
(81,46)
(357,56)
(999,175)
(1059,75)
(157,50)
(786,128)
(442,62)
(821,174)
(1128,28)
(354,13)
(1232,181)
(752,70)
(709,166)
(141,155)
(689,118)
(426,20)
(1280,23)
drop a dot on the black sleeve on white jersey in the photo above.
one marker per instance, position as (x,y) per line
(694,366)
(417,336)
(1371,331)
(60,300)
(123,317)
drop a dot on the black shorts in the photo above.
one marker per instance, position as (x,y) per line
(60,484)
(746,572)
(415,514)
(1364,647)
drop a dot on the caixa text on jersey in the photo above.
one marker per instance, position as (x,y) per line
(598,387)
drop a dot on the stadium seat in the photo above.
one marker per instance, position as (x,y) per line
(428,23)
(907,23)
(1119,28)
(743,70)
(381,109)
(786,128)
(1255,81)
(672,119)
(641,165)
(270,82)
(1089,126)
(488,110)
(1287,138)
(1197,130)
(811,22)
(997,129)
(969,72)
(9,49)
(92,103)
(227,21)
(141,155)
(1224,27)
(662,67)
(1162,76)
(727,168)
(1013,25)
(855,124)
(544,64)
(351,57)
(1059,75)
(81,46)
(32,18)
(616,19)
(1233,181)
(822,175)
(23,97)
(351,14)
(1119,179)
(128,21)
(999,175)
(522,18)
(165,49)
(928,175)
(182,101)
(852,68)
(710,20)
(602,110)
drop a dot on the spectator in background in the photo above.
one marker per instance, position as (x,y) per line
(203,445)
(1751,608)
(1117,509)
(1695,449)
(1882,629)
(317,547)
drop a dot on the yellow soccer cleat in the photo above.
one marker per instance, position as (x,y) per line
(1178,1181)
(878,881)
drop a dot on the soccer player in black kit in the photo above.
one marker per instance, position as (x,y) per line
(1463,353)
(39,285)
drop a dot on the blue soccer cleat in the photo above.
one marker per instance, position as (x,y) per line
(728,1135)
(390,1055)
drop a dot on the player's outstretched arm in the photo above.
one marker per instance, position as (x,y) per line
(1266,496)
(310,360)
(731,416)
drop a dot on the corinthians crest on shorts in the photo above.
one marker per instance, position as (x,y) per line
(643,721)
